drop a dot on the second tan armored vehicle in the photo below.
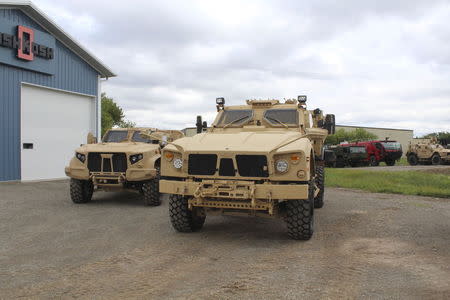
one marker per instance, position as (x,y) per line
(125,159)
(263,158)
(427,151)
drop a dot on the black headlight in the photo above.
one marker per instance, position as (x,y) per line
(136,157)
(81,157)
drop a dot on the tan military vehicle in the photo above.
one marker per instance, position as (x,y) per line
(125,159)
(427,151)
(263,158)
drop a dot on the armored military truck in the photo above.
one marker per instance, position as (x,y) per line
(427,151)
(347,155)
(263,158)
(125,159)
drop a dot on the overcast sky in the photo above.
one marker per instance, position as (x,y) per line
(376,63)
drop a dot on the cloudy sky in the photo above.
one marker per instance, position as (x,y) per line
(377,63)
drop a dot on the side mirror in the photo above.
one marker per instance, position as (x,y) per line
(204,125)
(330,124)
(199,124)
(91,139)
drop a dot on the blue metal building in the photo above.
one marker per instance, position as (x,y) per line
(49,94)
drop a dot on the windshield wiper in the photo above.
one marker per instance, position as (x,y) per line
(278,121)
(237,120)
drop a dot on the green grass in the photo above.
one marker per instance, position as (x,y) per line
(400,182)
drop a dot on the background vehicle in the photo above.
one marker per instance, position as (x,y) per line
(380,151)
(392,151)
(125,159)
(263,158)
(427,151)
(353,156)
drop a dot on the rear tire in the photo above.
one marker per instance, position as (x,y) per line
(436,159)
(81,190)
(413,160)
(320,180)
(300,216)
(150,191)
(183,219)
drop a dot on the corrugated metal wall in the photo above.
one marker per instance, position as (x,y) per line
(71,74)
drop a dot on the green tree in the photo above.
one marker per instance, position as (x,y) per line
(442,135)
(342,135)
(112,115)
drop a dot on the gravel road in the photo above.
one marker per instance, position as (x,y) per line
(365,246)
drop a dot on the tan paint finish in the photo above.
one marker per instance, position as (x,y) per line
(145,169)
(424,149)
(302,141)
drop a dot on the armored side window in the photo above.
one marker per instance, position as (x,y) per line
(278,117)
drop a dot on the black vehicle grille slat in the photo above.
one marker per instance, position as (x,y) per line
(227,167)
(202,164)
(252,165)
(106,165)
(94,162)
(119,161)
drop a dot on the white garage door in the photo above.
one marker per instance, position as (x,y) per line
(53,124)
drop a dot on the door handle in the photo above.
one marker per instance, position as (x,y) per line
(28,145)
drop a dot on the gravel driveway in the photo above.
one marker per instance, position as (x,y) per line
(365,246)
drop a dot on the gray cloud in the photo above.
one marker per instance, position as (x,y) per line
(372,63)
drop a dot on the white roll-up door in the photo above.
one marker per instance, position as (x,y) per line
(53,124)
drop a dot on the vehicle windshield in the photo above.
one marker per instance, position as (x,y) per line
(392,145)
(286,117)
(357,149)
(235,117)
(137,137)
(115,136)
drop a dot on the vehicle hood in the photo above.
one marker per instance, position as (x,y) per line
(235,141)
(118,147)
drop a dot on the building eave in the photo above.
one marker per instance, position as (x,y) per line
(43,20)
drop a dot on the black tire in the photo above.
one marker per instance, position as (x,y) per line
(81,190)
(320,180)
(300,217)
(373,161)
(150,191)
(436,159)
(390,162)
(339,163)
(183,219)
(413,160)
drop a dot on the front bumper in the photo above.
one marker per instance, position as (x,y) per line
(244,190)
(131,174)
(229,195)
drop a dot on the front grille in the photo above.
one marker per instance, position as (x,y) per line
(202,164)
(119,162)
(252,165)
(227,167)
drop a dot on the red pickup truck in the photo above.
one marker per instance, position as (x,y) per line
(387,151)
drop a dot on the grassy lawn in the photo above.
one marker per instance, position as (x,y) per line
(400,182)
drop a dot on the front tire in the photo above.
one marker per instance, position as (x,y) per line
(318,201)
(183,219)
(436,159)
(150,191)
(300,216)
(81,190)
(373,161)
